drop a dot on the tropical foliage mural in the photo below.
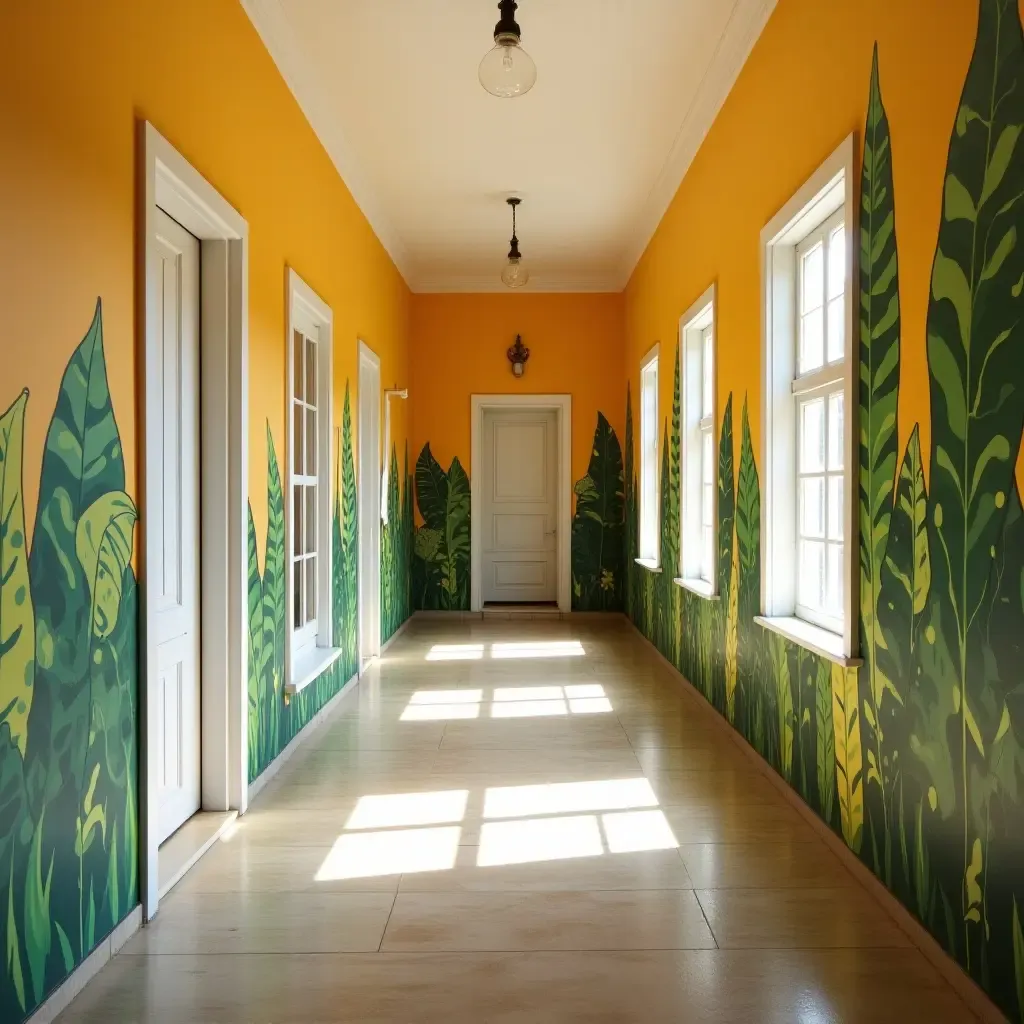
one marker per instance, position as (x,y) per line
(275,718)
(396,544)
(440,568)
(597,544)
(68,688)
(917,759)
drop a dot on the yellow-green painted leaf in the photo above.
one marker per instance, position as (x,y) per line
(1000,160)
(959,204)
(849,760)
(17,622)
(103,542)
(972,885)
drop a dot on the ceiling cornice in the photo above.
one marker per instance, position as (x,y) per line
(746,22)
(271,22)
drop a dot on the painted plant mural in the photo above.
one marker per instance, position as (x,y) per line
(597,546)
(396,540)
(68,688)
(917,759)
(440,568)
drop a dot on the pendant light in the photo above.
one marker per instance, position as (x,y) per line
(515,272)
(507,70)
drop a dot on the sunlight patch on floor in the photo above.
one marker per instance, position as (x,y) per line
(539,839)
(396,809)
(455,652)
(507,702)
(538,649)
(568,797)
(633,831)
(374,854)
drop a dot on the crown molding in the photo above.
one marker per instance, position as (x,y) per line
(271,23)
(743,29)
(491,283)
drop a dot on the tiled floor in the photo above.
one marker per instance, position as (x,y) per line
(546,833)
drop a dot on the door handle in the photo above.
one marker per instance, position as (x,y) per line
(551,533)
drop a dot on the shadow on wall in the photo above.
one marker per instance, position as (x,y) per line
(917,760)
(68,689)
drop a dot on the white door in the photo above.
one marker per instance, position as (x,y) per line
(520,479)
(369,504)
(173,582)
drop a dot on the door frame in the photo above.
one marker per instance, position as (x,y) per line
(561,405)
(170,182)
(367,357)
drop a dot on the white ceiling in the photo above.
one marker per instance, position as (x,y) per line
(626,91)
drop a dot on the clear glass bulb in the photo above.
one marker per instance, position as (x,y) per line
(507,70)
(515,273)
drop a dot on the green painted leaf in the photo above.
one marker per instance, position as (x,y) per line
(431,490)
(103,541)
(726,503)
(350,543)
(849,757)
(825,747)
(17,622)
(1018,959)
(256,666)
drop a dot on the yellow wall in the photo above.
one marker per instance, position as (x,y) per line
(458,349)
(73,84)
(802,91)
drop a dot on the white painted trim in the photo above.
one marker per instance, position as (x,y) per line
(367,355)
(948,969)
(169,182)
(807,635)
(72,985)
(192,848)
(699,587)
(260,783)
(831,186)
(562,406)
(652,355)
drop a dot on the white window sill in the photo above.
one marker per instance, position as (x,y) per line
(702,588)
(822,642)
(310,665)
(650,564)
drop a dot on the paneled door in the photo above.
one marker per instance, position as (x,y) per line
(520,478)
(173,582)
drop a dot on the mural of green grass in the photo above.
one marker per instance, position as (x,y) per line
(396,551)
(68,688)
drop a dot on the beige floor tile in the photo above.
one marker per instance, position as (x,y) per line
(797,918)
(731,786)
(243,922)
(590,731)
(377,734)
(497,921)
(612,760)
(712,753)
(768,822)
(764,865)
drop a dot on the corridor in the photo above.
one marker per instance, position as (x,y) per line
(520,822)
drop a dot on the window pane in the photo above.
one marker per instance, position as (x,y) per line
(836,329)
(310,572)
(835,508)
(836,455)
(811,271)
(812,436)
(812,344)
(810,583)
(707,511)
(812,506)
(310,443)
(707,458)
(707,370)
(834,588)
(708,554)
(298,522)
(836,262)
(297,372)
(298,443)
(310,499)
(297,595)
(310,371)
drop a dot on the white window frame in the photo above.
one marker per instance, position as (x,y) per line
(697,572)
(831,188)
(309,649)
(649,546)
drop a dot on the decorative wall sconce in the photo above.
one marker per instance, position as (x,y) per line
(517,356)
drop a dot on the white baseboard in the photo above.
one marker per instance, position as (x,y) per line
(394,636)
(973,996)
(299,738)
(60,998)
(511,613)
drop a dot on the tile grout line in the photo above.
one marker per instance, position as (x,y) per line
(388,921)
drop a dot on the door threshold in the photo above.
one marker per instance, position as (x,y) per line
(180,852)
(521,611)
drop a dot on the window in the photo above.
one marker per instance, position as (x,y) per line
(649,459)
(809,399)
(308,590)
(699,492)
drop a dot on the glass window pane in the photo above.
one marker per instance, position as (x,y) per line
(310,518)
(310,607)
(812,436)
(298,443)
(811,279)
(834,588)
(297,618)
(707,370)
(812,342)
(708,556)
(812,506)
(310,442)
(707,511)
(310,371)
(297,372)
(298,523)
(836,329)
(835,508)
(707,458)
(810,581)
(837,262)
(836,454)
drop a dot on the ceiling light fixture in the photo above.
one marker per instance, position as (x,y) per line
(507,70)
(515,272)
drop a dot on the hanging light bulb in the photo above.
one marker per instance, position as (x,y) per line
(507,70)
(515,273)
